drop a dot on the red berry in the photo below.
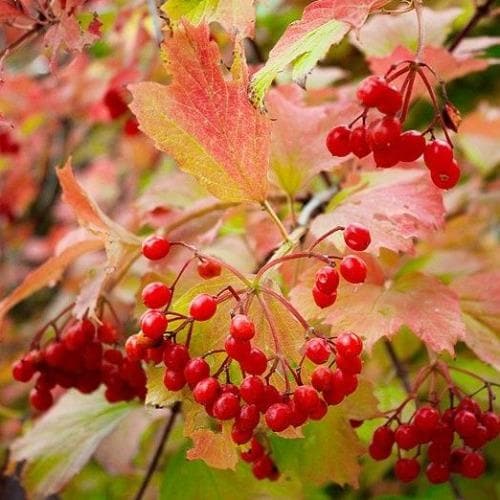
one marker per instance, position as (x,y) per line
(176,357)
(263,467)
(407,469)
(465,423)
(437,473)
(456,459)
(348,345)
(337,141)
(156,295)
(249,417)
(437,153)
(155,247)
(113,356)
(299,417)
(226,406)
(438,453)
(203,307)
(41,399)
(443,434)
(322,378)
(278,417)
(92,356)
(358,142)
(240,436)
(107,333)
(410,146)
(134,348)
(322,299)
(174,380)
(426,418)
(355,423)
(23,370)
(384,132)
(350,365)
(236,348)
(470,405)
(370,91)
(131,127)
(255,362)
(154,324)
(406,437)
(386,157)
(353,269)
(55,353)
(327,280)
(306,398)
(390,101)
(318,350)
(357,237)
(473,465)
(208,269)
(196,369)
(319,411)
(242,327)
(446,176)
(252,389)
(255,451)
(206,391)
(115,103)
(478,439)
(492,423)
(270,396)
(379,452)
(383,437)
(78,334)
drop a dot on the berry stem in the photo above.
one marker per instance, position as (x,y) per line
(400,368)
(324,236)
(421,29)
(274,216)
(408,88)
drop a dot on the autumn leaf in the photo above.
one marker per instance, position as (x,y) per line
(396,206)
(236,16)
(323,23)
(479,296)
(205,121)
(9,11)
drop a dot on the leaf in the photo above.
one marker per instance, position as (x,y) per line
(158,395)
(204,121)
(299,133)
(63,440)
(323,23)
(48,273)
(422,303)
(236,16)
(479,296)
(395,206)
(9,11)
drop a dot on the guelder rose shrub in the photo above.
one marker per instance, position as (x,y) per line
(258,271)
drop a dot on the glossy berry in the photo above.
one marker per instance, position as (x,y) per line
(23,370)
(206,391)
(155,247)
(407,469)
(134,348)
(176,357)
(318,350)
(456,459)
(471,405)
(353,269)
(478,439)
(390,101)
(208,269)
(248,418)
(348,345)
(370,91)
(41,399)
(240,436)
(115,103)
(236,348)
(438,453)
(306,398)
(410,146)
(203,307)
(156,295)
(242,327)
(255,451)
(252,389)
(492,423)
(406,437)
(349,365)
(226,406)
(426,418)
(357,237)
(270,396)
(437,473)
(174,380)
(323,299)
(358,142)
(107,333)
(338,140)
(379,452)
(437,153)
(384,132)
(263,467)
(327,280)
(446,176)
(383,437)
(319,411)
(322,378)
(196,369)
(465,423)
(299,417)
(473,465)
(278,417)
(78,334)
(386,157)
(154,324)
(255,362)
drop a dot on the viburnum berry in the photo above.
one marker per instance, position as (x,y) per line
(237,349)
(437,153)
(226,406)
(248,418)
(438,453)
(322,378)
(353,269)
(347,381)
(278,417)
(338,141)
(41,399)
(134,348)
(78,334)
(255,362)
(465,423)
(154,324)
(327,280)
(299,417)
(437,473)
(446,175)
(378,452)
(107,333)
(492,423)
(208,269)
(176,357)
(203,307)
(206,391)
(456,459)
(471,405)
(478,439)
(174,380)
(383,437)
(319,411)
(113,356)
(239,435)
(349,365)
(406,436)
(131,127)
(115,103)
(155,247)
(242,327)
(270,396)
(196,369)
(370,91)
(407,469)
(323,299)
(358,142)
(318,350)
(156,295)
(384,132)
(390,101)
(263,467)
(54,354)
(357,237)
(348,345)
(255,451)
(306,398)
(426,418)
(410,146)
(386,157)
(252,389)
(23,370)
(473,465)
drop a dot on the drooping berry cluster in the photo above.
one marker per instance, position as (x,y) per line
(384,136)
(79,360)
(263,466)
(453,439)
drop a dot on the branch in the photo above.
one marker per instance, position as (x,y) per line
(159,450)
(400,368)
(36,30)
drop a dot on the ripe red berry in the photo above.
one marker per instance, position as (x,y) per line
(115,103)
(255,451)
(426,418)
(437,153)
(240,436)
(465,423)
(492,423)
(113,356)
(378,452)
(319,411)
(478,439)
(236,348)
(270,396)
(176,357)
(306,398)
(349,365)
(196,369)
(155,247)
(206,391)
(226,406)
(156,295)
(322,299)
(255,362)
(386,157)
(154,324)
(263,467)
(438,453)
(23,370)
(471,405)
(242,327)
(390,101)
(203,307)
(410,146)
(299,417)
(406,436)
(348,345)
(357,237)
(353,269)
(41,399)
(107,333)
(446,176)
(174,380)
(384,132)
(358,142)
(55,353)
(456,459)
(134,348)
(318,350)
(208,269)
(473,465)
(322,378)
(131,127)
(370,91)
(278,417)
(383,437)
(249,417)
(252,389)
(407,469)
(327,280)
(338,140)
(78,334)
(437,473)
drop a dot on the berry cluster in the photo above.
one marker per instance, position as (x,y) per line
(79,360)
(263,466)
(454,438)
(384,136)
(352,268)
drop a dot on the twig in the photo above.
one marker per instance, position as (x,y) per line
(274,216)
(421,29)
(400,368)
(159,450)
(21,40)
